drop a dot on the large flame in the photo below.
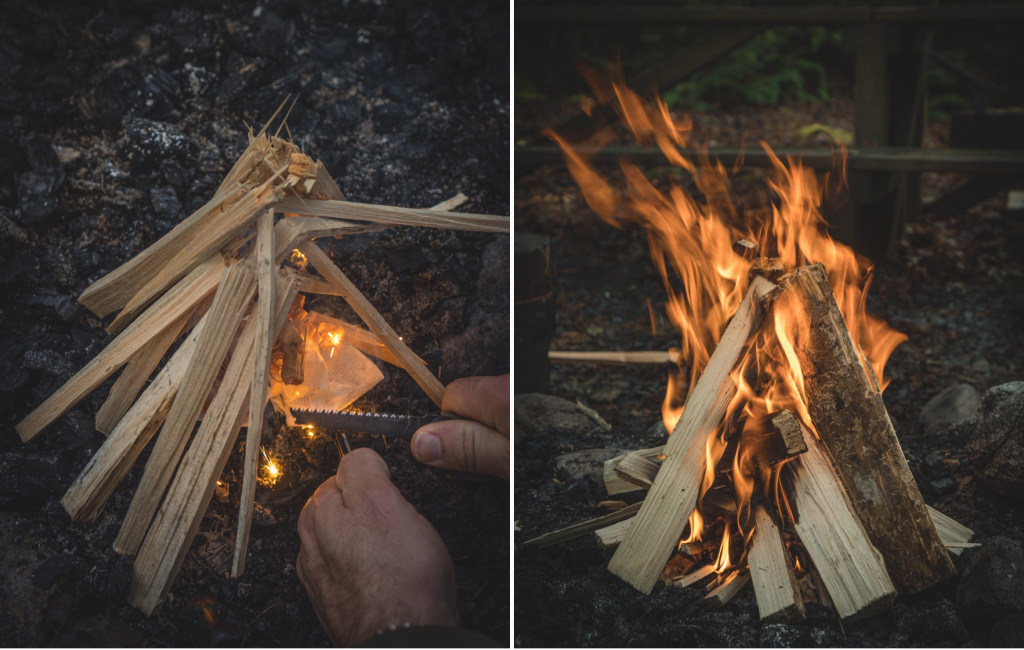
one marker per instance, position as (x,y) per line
(693,241)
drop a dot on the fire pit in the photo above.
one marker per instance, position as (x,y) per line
(752,476)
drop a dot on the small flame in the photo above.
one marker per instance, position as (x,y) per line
(310,430)
(298,259)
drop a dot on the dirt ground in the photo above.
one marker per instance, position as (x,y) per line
(956,290)
(120,119)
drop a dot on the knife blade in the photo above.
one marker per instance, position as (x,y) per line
(385,424)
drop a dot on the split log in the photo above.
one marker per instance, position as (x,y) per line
(133,377)
(616,356)
(163,313)
(582,528)
(638,469)
(229,306)
(266,332)
(175,525)
(728,588)
(666,510)
(771,570)
(614,483)
(106,469)
(850,417)
(955,536)
(412,364)
(394,216)
(695,576)
(230,211)
(612,535)
(851,568)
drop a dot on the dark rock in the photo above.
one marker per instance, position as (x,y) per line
(63,305)
(166,205)
(585,463)
(48,361)
(991,581)
(52,570)
(996,446)
(150,143)
(549,416)
(345,113)
(950,410)
(1008,632)
(389,117)
(109,582)
(37,196)
(112,95)
(936,475)
(100,631)
(932,624)
(242,74)
(19,266)
(13,374)
(160,93)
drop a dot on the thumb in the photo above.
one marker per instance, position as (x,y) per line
(462,445)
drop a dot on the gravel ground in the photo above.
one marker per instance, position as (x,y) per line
(121,118)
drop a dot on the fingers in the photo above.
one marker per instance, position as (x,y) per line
(484,399)
(462,445)
(360,472)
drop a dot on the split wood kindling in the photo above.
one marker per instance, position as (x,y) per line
(860,532)
(218,279)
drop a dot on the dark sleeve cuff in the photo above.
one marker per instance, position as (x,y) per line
(430,636)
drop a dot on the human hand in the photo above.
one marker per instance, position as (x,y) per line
(480,442)
(368,560)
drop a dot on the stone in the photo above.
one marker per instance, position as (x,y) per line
(585,463)
(165,204)
(991,583)
(996,446)
(950,411)
(549,416)
(150,143)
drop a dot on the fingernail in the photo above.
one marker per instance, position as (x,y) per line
(426,447)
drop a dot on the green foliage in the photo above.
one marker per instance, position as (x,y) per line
(946,92)
(779,65)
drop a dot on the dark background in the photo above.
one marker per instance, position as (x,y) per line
(118,120)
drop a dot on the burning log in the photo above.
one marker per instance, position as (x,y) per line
(673,495)
(849,415)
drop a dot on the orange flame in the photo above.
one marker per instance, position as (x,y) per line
(692,240)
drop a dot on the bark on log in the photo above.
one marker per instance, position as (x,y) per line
(850,416)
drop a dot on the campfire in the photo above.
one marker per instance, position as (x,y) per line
(221,282)
(782,468)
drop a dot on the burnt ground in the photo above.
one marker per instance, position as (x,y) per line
(119,118)
(956,290)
